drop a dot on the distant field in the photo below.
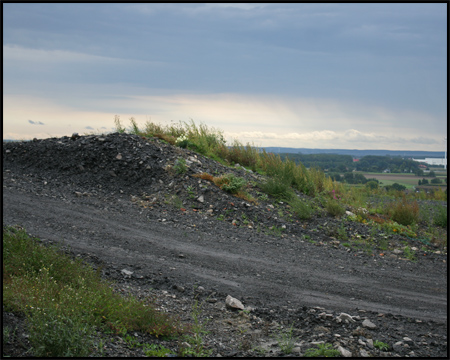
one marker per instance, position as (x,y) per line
(408,180)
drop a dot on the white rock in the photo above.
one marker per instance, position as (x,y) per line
(368,324)
(233,303)
(363,353)
(349,213)
(127,272)
(345,317)
(201,199)
(344,352)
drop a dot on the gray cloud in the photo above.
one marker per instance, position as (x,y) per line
(89,128)
(35,122)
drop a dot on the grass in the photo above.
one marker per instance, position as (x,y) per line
(64,300)
(286,340)
(322,350)
(381,345)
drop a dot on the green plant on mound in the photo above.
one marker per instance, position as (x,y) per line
(440,219)
(65,301)
(277,188)
(405,212)
(322,350)
(230,183)
(180,166)
(301,208)
(381,345)
(286,340)
(334,208)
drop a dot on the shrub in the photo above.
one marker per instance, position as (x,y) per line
(372,185)
(277,188)
(395,186)
(244,155)
(230,183)
(440,219)
(322,350)
(180,166)
(300,208)
(334,208)
(404,212)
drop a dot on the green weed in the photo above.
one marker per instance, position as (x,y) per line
(334,208)
(195,337)
(440,219)
(286,340)
(381,345)
(153,350)
(180,166)
(323,350)
(405,212)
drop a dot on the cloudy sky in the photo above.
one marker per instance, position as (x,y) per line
(349,76)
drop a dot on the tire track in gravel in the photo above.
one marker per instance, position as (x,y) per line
(303,274)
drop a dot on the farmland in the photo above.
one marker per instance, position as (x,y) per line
(408,180)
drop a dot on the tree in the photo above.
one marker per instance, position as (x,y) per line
(436,181)
(372,185)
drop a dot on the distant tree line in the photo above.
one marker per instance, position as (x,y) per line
(334,163)
(325,162)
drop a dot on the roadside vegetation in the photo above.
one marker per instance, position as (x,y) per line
(66,303)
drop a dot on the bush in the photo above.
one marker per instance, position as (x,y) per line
(301,208)
(440,219)
(230,183)
(372,185)
(277,188)
(180,166)
(334,208)
(404,212)
(396,187)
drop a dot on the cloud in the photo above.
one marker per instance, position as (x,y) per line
(35,122)
(331,139)
(89,128)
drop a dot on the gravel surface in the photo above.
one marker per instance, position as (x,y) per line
(118,202)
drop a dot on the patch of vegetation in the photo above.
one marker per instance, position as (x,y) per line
(334,208)
(195,336)
(180,166)
(65,301)
(286,340)
(440,219)
(154,350)
(405,212)
(381,345)
(301,209)
(322,350)
(230,183)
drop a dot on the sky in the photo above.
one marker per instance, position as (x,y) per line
(328,76)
